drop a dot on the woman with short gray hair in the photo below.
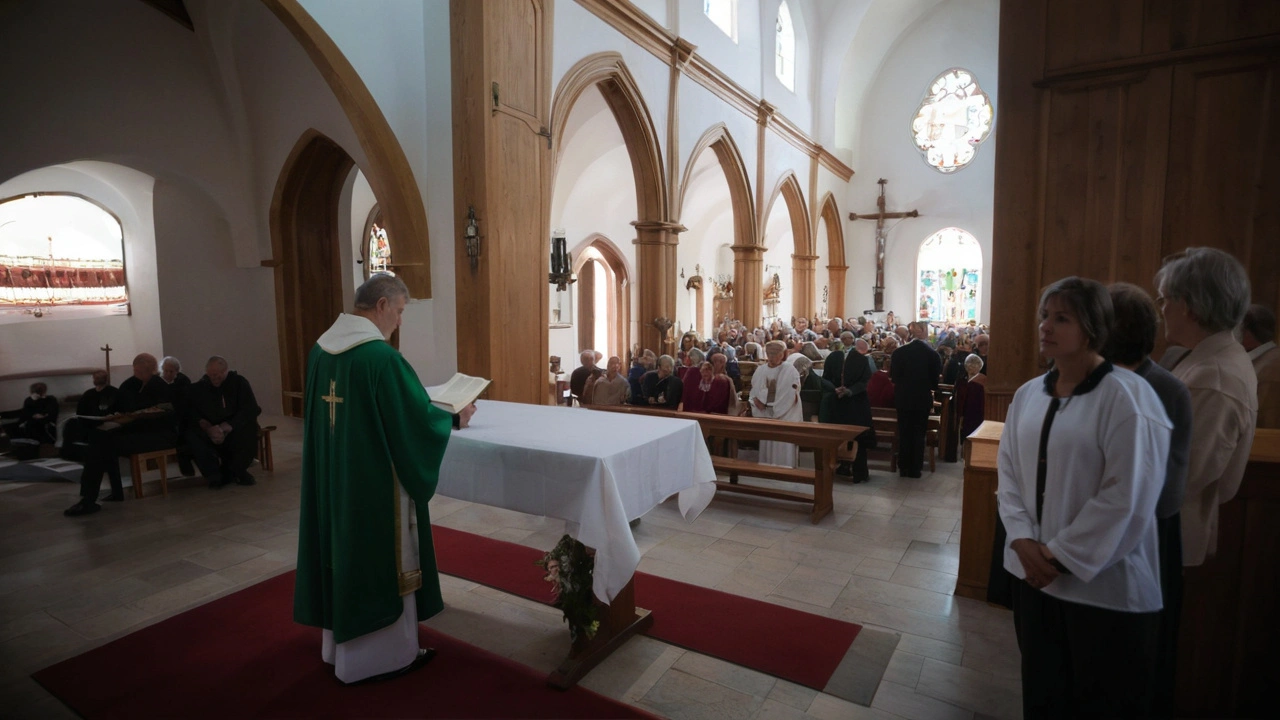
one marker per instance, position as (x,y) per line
(1203,294)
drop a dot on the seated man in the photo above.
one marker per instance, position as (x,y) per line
(222,425)
(177,385)
(581,374)
(141,421)
(95,402)
(38,418)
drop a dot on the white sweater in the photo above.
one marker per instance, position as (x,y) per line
(1105,465)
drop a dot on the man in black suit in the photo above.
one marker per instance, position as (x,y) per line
(914,369)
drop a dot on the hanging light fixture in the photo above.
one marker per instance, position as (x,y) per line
(561,276)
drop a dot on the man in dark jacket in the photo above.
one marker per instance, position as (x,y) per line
(222,425)
(914,369)
(95,402)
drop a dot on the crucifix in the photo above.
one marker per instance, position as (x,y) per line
(107,349)
(881,235)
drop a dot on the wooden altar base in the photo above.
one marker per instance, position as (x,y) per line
(619,621)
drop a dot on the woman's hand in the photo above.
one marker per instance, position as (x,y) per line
(1035,558)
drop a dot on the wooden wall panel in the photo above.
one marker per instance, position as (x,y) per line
(1224,150)
(1199,23)
(1093,30)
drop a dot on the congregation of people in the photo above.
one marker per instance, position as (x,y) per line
(211,424)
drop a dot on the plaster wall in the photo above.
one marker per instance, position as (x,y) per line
(959,33)
(55,343)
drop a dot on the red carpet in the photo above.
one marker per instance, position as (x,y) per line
(242,656)
(793,645)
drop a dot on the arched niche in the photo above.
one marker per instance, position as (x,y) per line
(803,256)
(305,237)
(949,277)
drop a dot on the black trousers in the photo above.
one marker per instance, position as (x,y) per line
(1083,661)
(75,433)
(1170,532)
(227,461)
(912,425)
(106,446)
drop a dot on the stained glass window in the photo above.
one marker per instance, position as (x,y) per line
(954,117)
(61,256)
(950,277)
(724,13)
(784,63)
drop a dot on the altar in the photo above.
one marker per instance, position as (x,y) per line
(595,471)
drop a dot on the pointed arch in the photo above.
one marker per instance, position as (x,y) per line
(836,266)
(719,141)
(305,239)
(608,72)
(389,172)
(618,311)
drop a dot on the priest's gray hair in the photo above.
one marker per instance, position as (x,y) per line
(666,361)
(803,364)
(378,286)
(1212,283)
(169,359)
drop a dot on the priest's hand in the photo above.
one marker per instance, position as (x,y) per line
(464,415)
(1038,570)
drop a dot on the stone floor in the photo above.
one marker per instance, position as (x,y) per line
(886,558)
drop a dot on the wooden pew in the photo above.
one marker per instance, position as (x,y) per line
(886,424)
(824,440)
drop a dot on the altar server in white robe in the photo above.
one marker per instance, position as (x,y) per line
(775,393)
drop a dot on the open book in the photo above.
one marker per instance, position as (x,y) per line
(459,392)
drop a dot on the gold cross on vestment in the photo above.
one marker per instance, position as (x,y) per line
(333,400)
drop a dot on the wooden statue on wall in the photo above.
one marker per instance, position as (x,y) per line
(882,235)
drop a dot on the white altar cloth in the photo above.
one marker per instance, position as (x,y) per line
(595,470)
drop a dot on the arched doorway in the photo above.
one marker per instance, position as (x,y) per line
(949,277)
(305,237)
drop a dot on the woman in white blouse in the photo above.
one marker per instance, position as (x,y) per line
(1082,464)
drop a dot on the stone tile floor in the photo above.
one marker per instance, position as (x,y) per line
(886,558)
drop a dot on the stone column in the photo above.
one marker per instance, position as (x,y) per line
(748,290)
(656,279)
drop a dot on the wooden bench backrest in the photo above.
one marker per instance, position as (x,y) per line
(809,435)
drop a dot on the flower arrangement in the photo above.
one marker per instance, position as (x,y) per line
(569,570)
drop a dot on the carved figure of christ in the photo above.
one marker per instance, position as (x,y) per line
(880,215)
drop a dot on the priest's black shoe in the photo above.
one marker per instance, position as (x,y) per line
(112,498)
(246,479)
(424,657)
(82,508)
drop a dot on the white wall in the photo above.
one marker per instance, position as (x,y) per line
(958,33)
(56,343)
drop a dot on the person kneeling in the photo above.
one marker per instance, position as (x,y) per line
(222,429)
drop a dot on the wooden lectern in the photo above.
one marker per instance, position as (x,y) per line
(978,516)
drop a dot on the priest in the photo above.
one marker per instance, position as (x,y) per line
(775,393)
(372,446)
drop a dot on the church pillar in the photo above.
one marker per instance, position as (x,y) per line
(802,299)
(835,302)
(501,97)
(656,273)
(748,286)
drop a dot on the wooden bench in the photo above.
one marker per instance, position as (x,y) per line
(825,440)
(141,462)
(886,424)
(265,458)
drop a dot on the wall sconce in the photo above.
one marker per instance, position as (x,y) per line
(561,262)
(471,237)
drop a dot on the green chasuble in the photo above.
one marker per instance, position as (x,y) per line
(368,423)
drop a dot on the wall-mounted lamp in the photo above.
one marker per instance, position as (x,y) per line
(471,237)
(561,276)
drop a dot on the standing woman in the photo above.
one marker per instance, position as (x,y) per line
(1082,461)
